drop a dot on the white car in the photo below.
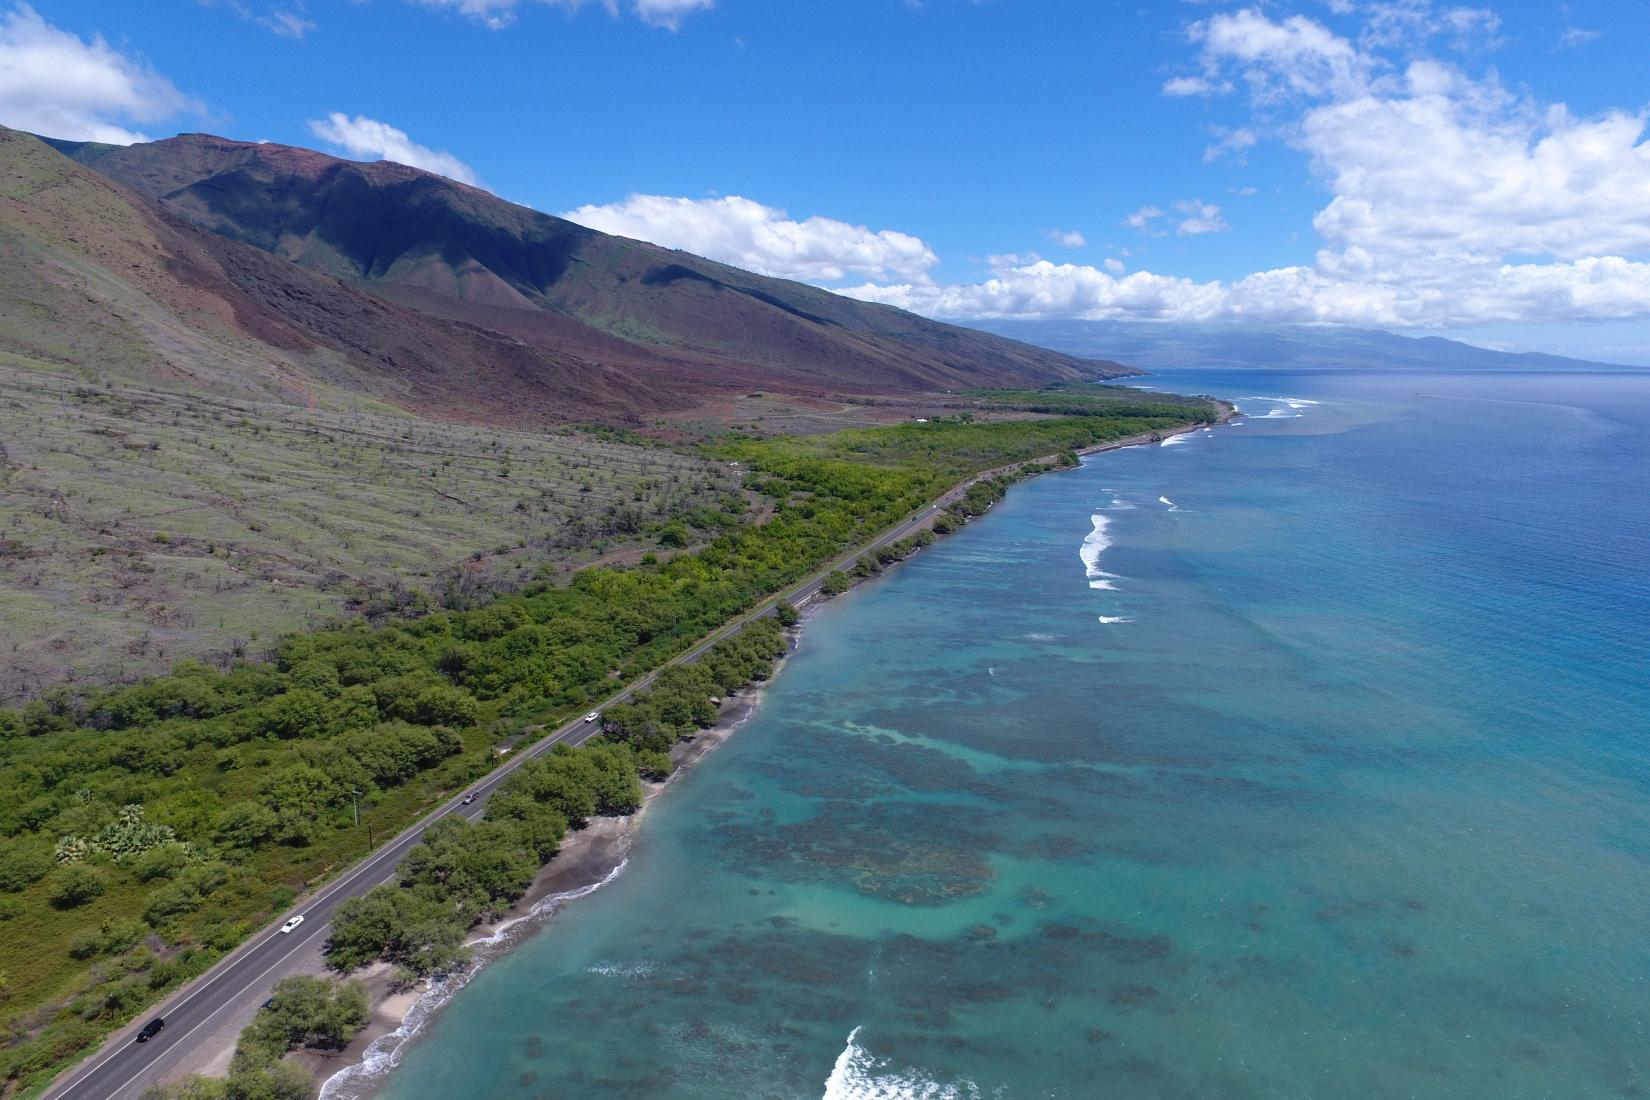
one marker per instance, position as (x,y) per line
(592,716)
(292,924)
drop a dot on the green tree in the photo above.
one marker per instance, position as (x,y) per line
(481,866)
(298,795)
(319,1013)
(444,705)
(420,931)
(245,825)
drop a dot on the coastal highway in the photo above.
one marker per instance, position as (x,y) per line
(122,1069)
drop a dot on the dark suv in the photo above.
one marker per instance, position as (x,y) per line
(151,1029)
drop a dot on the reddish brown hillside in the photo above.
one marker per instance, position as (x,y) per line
(455,251)
(102,280)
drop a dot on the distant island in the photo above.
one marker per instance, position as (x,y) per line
(1151,345)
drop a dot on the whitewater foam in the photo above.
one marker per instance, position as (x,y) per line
(1173,507)
(1173,441)
(384,1053)
(636,971)
(1093,546)
(1288,408)
(860,1075)
(1109,619)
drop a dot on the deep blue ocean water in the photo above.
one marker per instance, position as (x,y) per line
(1303,758)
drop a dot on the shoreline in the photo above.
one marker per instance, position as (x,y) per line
(587,860)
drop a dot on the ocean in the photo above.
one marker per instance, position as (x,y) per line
(1306,757)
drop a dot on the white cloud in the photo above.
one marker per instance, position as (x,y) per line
(501,13)
(1200,217)
(1235,142)
(1296,56)
(1602,288)
(1578,36)
(1191,217)
(668,13)
(369,139)
(1455,200)
(1411,23)
(1066,238)
(1194,85)
(1142,219)
(286,23)
(1114,265)
(748,234)
(57,84)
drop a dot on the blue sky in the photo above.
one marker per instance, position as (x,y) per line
(1393,163)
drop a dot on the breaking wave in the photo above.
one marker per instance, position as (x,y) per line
(1173,507)
(1287,408)
(860,1075)
(1093,546)
(1109,619)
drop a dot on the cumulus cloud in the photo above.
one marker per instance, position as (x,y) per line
(1066,238)
(60,85)
(1599,288)
(748,234)
(1199,217)
(501,13)
(1294,56)
(1455,200)
(368,139)
(1142,219)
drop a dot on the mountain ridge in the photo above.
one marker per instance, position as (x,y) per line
(682,322)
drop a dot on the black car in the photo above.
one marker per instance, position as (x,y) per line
(151,1029)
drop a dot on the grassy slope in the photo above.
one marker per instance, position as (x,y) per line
(140,526)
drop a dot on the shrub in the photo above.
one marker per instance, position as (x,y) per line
(24,862)
(75,885)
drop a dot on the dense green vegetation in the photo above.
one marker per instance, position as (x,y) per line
(1090,399)
(462,873)
(150,828)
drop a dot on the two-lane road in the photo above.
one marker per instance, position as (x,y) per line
(122,1069)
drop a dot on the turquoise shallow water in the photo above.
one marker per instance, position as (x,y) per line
(1352,799)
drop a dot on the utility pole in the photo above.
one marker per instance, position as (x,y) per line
(355,805)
